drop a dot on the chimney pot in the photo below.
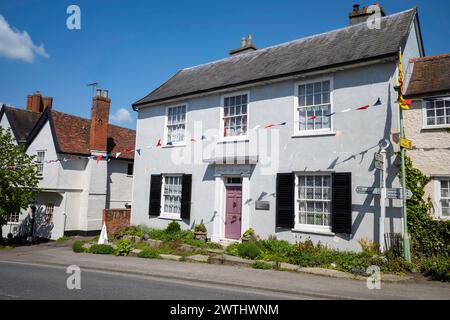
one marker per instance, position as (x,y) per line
(47,102)
(355,7)
(98,92)
(243,42)
(105,93)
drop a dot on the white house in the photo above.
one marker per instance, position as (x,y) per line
(80,173)
(278,139)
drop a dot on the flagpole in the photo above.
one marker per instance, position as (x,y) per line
(406,247)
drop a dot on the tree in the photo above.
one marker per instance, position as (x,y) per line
(19,178)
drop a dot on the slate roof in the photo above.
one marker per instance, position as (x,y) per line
(21,121)
(350,44)
(431,75)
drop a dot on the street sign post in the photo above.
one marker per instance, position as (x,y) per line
(367,190)
(396,193)
(379,161)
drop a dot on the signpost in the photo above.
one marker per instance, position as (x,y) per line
(383,192)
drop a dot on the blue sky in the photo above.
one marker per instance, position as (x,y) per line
(131,47)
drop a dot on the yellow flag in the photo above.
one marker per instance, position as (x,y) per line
(404,104)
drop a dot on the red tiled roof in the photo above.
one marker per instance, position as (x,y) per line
(72,136)
(431,75)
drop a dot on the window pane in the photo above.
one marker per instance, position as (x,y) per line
(309,100)
(326,97)
(317,99)
(302,101)
(317,87)
(309,88)
(326,85)
(302,90)
(431,113)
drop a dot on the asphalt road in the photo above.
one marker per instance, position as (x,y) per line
(30,281)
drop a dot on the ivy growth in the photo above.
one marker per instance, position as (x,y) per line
(429,237)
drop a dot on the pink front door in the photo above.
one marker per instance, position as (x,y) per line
(233,212)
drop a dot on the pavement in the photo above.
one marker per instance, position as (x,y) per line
(162,279)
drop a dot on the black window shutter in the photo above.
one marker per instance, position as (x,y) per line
(155,195)
(341,212)
(186,190)
(285,200)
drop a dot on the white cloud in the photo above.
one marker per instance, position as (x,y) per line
(121,115)
(18,45)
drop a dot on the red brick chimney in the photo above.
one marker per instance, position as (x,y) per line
(99,121)
(37,103)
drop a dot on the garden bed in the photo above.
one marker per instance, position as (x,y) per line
(173,243)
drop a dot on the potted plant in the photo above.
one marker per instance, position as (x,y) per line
(200,232)
(248,235)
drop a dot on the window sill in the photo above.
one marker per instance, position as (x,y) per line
(233,139)
(313,134)
(174,145)
(170,216)
(437,127)
(315,230)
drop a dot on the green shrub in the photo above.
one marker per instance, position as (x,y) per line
(438,268)
(77,246)
(232,249)
(101,249)
(429,237)
(128,231)
(200,228)
(149,253)
(248,250)
(62,239)
(261,265)
(173,227)
(123,247)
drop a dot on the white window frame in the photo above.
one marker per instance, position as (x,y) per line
(166,122)
(40,164)
(425,124)
(438,197)
(313,228)
(243,137)
(16,216)
(170,215)
(314,132)
(49,212)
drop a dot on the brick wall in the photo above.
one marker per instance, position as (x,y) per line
(115,218)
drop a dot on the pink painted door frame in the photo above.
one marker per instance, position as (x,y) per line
(233,212)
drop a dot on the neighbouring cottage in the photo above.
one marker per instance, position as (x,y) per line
(79,178)
(427,124)
(278,139)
